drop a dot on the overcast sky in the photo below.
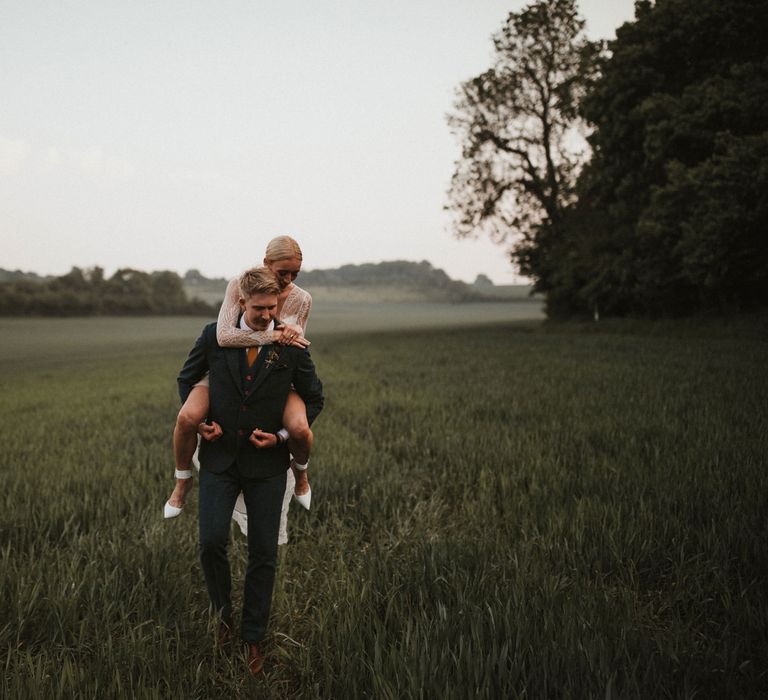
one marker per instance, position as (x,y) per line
(177,135)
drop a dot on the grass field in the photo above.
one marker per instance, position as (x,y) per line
(504,510)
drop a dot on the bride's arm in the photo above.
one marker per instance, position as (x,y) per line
(306,307)
(296,312)
(228,335)
(299,313)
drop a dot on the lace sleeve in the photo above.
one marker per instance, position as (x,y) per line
(228,335)
(296,308)
(303,315)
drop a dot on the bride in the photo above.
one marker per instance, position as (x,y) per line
(282,256)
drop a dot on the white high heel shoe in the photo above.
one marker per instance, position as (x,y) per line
(170,511)
(305,498)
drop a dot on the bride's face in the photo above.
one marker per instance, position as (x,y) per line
(285,270)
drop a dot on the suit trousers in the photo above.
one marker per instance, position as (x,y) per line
(263,500)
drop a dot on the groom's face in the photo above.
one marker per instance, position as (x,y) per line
(259,310)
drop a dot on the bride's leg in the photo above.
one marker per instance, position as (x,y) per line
(299,438)
(194,410)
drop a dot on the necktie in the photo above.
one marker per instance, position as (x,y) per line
(252,353)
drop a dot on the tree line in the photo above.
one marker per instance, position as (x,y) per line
(628,177)
(86,292)
(402,274)
(389,272)
(420,277)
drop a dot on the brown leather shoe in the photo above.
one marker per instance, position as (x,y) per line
(255,659)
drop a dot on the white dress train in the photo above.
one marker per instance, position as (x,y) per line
(240,516)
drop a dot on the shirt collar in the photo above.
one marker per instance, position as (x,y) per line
(244,326)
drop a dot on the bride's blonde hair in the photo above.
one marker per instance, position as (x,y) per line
(282,248)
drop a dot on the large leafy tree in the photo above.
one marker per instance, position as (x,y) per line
(672,209)
(519,129)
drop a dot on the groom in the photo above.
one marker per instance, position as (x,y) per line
(248,391)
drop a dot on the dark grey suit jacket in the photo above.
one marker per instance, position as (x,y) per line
(242,399)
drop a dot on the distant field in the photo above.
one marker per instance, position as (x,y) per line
(212,293)
(123,334)
(512,292)
(351,316)
(514,510)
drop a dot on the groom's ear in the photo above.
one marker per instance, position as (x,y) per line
(242,303)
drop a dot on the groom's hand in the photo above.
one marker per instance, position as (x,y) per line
(210,432)
(260,439)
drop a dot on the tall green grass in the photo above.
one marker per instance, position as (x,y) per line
(506,511)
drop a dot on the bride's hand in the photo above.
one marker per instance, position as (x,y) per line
(292,335)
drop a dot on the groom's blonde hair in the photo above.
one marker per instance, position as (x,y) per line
(258,280)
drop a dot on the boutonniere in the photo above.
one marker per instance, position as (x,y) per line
(273,357)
